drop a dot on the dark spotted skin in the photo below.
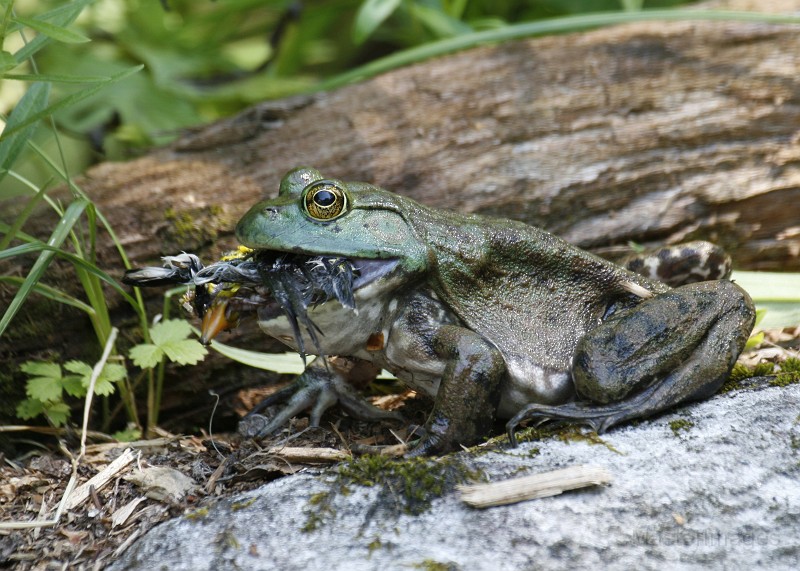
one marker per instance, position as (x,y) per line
(681,264)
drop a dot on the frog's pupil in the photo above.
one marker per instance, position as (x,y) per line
(324,198)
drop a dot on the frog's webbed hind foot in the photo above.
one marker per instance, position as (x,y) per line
(597,417)
(318,389)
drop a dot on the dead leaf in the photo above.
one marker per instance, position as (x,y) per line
(162,483)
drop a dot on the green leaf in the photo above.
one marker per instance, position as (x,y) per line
(114,372)
(776,295)
(73,384)
(110,374)
(7,61)
(754,340)
(103,387)
(145,355)
(46,389)
(371,14)
(632,5)
(32,103)
(79,368)
(30,408)
(170,330)
(128,435)
(53,31)
(58,413)
(186,352)
(169,339)
(41,369)
(69,100)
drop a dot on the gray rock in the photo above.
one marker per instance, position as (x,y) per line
(723,493)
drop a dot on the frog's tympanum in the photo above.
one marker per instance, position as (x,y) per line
(492,318)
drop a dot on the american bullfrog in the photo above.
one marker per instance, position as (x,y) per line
(494,319)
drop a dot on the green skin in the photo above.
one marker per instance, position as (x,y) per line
(494,319)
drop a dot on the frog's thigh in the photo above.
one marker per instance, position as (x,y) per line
(469,392)
(678,346)
(686,339)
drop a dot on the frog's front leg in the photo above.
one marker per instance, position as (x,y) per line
(469,392)
(319,387)
(675,347)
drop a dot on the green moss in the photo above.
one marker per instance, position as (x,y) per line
(228,539)
(789,373)
(192,229)
(574,433)
(408,484)
(318,498)
(319,509)
(742,372)
(197,514)
(414,482)
(565,433)
(236,506)
(783,374)
(790,365)
(680,424)
(374,545)
(432,565)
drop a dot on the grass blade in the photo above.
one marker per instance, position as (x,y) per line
(71,216)
(50,293)
(12,231)
(370,15)
(32,103)
(539,28)
(61,16)
(56,78)
(52,31)
(69,100)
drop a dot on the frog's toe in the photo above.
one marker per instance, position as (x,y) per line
(598,418)
(317,392)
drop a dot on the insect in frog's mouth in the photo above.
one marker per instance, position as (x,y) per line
(264,282)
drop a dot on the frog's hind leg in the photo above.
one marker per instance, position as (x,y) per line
(676,347)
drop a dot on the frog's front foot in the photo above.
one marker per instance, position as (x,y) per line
(675,347)
(318,388)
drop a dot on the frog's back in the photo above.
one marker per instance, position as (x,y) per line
(531,294)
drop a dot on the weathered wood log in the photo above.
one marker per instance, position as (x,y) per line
(650,132)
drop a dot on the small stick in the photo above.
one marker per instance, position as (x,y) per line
(535,486)
(100,479)
(309,455)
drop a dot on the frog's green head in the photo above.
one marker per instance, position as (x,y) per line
(316,216)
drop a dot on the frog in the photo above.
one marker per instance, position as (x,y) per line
(493,319)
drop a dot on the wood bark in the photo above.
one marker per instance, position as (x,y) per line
(650,132)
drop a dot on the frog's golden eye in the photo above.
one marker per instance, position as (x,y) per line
(324,200)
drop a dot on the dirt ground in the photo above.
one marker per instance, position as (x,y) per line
(122,489)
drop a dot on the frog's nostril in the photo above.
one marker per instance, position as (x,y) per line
(271,211)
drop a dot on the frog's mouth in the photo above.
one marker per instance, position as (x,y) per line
(274,283)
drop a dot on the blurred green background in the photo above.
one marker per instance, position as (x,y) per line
(208,59)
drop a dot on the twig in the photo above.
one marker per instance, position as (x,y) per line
(96,371)
(100,479)
(535,486)
(309,455)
